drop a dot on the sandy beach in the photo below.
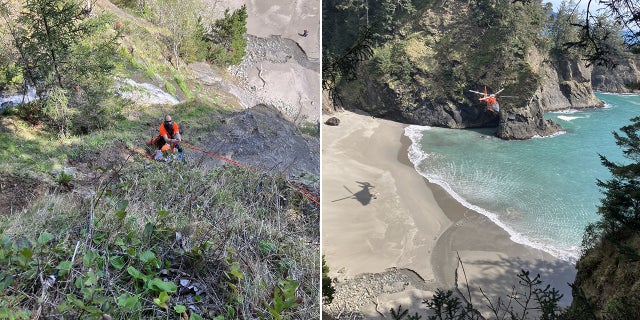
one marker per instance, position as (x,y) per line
(392,238)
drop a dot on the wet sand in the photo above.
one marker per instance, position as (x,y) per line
(378,213)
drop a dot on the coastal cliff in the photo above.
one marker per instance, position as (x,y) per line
(624,78)
(423,76)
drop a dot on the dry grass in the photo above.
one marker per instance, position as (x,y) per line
(198,221)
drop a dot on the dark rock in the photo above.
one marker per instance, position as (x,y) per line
(525,123)
(261,137)
(333,121)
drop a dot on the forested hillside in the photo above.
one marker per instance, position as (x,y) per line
(419,60)
(93,228)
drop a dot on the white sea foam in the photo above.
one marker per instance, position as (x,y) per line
(414,133)
(618,94)
(566,111)
(417,156)
(561,132)
(568,118)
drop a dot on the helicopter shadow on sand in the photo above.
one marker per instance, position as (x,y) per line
(363,196)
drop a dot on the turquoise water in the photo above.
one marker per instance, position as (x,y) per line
(542,191)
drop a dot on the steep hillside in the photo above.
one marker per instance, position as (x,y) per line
(93,228)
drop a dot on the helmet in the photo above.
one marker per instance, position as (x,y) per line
(164,148)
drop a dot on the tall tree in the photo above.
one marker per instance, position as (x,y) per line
(68,56)
(180,18)
(229,44)
(50,28)
(620,209)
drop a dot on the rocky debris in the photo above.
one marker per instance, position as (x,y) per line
(276,49)
(333,121)
(363,292)
(261,137)
(277,72)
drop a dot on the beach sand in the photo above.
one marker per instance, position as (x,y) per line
(392,238)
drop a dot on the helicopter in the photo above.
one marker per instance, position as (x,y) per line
(490,99)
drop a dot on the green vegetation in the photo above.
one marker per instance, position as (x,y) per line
(429,57)
(608,280)
(327,287)
(68,57)
(227,38)
(89,227)
(134,230)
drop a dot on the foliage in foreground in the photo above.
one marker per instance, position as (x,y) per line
(608,281)
(156,241)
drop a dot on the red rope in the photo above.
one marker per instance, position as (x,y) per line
(306,193)
(212,154)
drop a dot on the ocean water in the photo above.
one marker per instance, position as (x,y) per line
(542,191)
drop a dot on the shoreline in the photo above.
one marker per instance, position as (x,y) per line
(361,240)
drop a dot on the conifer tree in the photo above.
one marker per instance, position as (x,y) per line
(49,29)
(620,209)
(228,37)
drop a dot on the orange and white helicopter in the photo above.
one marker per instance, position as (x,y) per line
(490,99)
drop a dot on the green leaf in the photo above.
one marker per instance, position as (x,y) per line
(195,316)
(120,242)
(158,285)
(24,256)
(137,274)
(128,301)
(148,256)
(89,257)
(148,229)
(117,262)
(64,267)
(235,270)
(44,237)
(162,213)
(27,253)
(75,301)
(5,281)
(161,300)
(207,245)
(91,279)
(122,206)
(179,308)
(267,247)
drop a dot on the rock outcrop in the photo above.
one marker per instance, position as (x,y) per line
(563,85)
(261,137)
(525,123)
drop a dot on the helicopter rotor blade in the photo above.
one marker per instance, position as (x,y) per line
(476,92)
(498,91)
